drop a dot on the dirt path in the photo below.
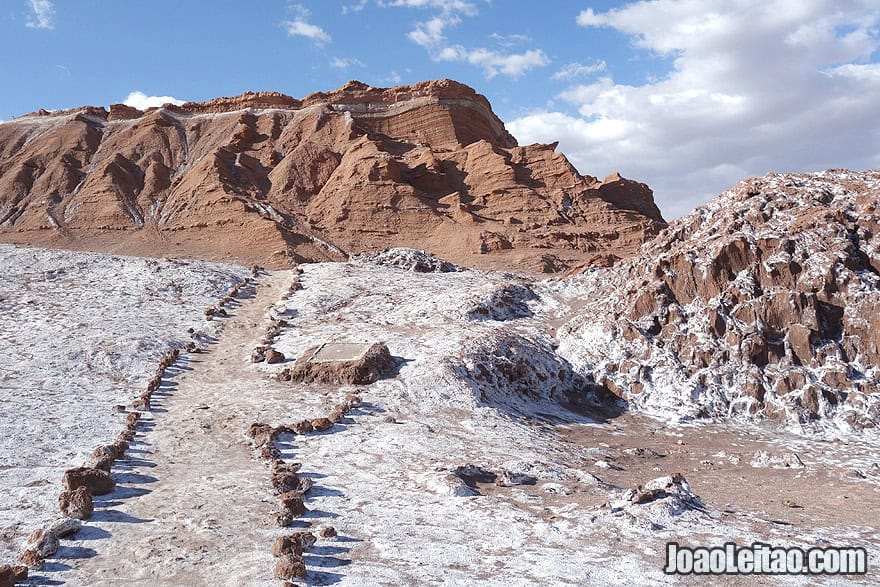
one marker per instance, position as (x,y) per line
(192,505)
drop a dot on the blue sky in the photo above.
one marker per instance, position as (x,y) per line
(686,95)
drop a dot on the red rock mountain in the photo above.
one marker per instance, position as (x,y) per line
(267,178)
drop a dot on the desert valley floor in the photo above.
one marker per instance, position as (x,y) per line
(463,465)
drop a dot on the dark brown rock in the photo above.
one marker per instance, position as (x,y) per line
(273,356)
(321,424)
(32,559)
(10,575)
(132,419)
(290,566)
(287,545)
(292,502)
(104,463)
(302,427)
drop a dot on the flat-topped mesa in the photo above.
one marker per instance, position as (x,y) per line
(420,111)
(266,178)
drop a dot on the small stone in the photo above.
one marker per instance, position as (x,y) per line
(76,503)
(328,532)
(32,559)
(285,482)
(292,502)
(287,545)
(290,567)
(131,420)
(302,427)
(273,356)
(43,542)
(10,575)
(321,424)
(283,519)
(104,463)
(64,527)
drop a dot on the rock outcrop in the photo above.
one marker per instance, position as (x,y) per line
(764,302)
(263,177)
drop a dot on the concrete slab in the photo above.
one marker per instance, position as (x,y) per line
(340,352)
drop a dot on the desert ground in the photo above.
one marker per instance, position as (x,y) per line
(480,456)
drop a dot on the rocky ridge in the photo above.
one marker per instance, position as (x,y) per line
(765,302)
(264,177)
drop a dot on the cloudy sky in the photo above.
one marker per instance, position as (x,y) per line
(686,95)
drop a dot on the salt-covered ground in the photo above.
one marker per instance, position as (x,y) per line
(385,484)
(80,333)
(477,381)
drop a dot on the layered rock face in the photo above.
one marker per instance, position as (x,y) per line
(267,178)
(766,301)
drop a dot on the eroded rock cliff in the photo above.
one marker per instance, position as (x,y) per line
(766,301)
(267,178)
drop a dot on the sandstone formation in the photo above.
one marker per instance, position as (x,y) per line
(269,178)
(765,301)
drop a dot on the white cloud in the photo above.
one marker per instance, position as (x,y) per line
(446,6)
(393,78)
(301,27)
(43,16)
(141,101)
(754,86)
(510,40)
(430,34)
(356,7)
(494,63)
(571,71)
(345,62)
